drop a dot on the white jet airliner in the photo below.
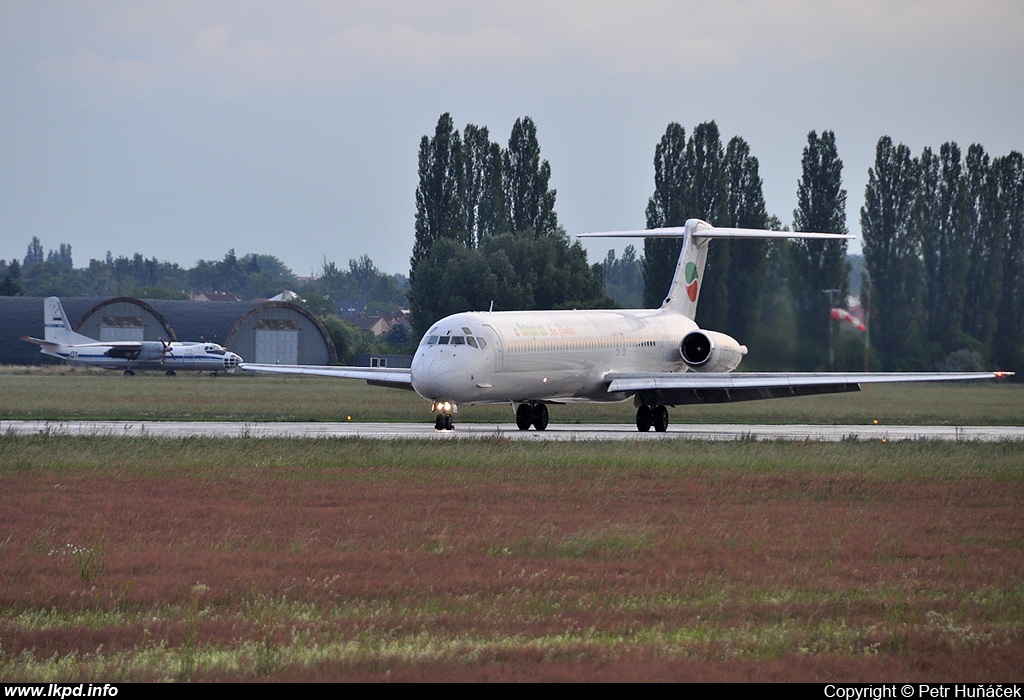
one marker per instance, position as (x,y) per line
(659,357)
(128,355)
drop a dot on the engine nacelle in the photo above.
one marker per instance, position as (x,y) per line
(152,351)
(708,351)
(146,351)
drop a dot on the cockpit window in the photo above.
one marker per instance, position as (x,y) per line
(471,341)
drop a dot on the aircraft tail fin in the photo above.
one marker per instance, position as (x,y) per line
(56,326)
(696,234)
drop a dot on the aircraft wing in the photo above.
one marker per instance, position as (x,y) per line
(681,388)
(394,377)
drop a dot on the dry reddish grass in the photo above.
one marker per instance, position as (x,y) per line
(514,573)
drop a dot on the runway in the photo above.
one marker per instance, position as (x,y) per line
(424,431)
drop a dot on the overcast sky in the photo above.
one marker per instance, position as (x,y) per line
(181,129)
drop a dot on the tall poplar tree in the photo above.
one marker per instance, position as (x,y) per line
(484,200)
(748,263)
(1008,345)
(530,204)
(819,265)
(985,248)
(927,221)
(705,162)
(34,254)
(941,222)
(892,253)
(440,211)
(666,207)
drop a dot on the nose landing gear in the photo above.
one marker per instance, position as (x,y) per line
(444,410)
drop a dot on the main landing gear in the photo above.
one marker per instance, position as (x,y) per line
(129,373)
(532,414)
(648,417)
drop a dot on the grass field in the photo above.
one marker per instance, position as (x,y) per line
(202,559)
(67,394)
(146,559)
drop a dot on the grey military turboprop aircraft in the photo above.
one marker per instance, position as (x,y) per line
(59,340)
(659,357)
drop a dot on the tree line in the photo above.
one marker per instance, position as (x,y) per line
(334,292)
(942,233)
(942,236)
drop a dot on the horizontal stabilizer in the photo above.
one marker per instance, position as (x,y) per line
(680,232)
(37,341)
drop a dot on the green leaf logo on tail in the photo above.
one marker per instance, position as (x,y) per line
(690,271)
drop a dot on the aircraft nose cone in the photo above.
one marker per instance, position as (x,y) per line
(433,379)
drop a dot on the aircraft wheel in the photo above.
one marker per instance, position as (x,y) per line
(659,416)
(439,422)
(129,373)
(644,420)
(169,373)
(449,424)
(540,416)
(524,416)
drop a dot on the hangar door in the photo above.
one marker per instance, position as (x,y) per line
(122,328)
(277,341)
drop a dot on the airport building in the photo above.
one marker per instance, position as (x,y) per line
(272,332)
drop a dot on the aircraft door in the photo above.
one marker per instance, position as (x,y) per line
(494,341)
